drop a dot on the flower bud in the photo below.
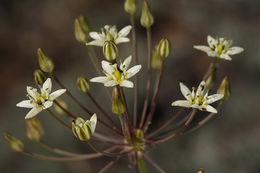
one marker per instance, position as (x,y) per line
(110,50)
(84,129)
(45,62)
(39,77)
(34,129)
(139,134)
(118,106)
(146,17)
(15,144)
(224,89)
(156,59)
(164,48)
(81,29)
(130,6)
(82,84)
(61,103)
(201,170)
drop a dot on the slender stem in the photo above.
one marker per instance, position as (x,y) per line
(179,132)
(134,44)
(58,151)
(155,98)
(65,110)
(156,166)
(102,110)
(149,74)
(57,119)
(122,122)
(211,70)
(136,161)
(94,59)
(141,165)
(165,124)
(109,165)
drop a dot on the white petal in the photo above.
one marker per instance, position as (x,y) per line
(93,123)
(185,91)
(32,92)
(201,91)
(33,112)
(47,104)
(110,83)
(125,31)
(226,57)
(181,103)
(25,104)
(101,79)
(47,85)
(127,84)
(206,49)
(211,41)
(209,109)
(56,94)
(132,71)
(213,98)
(234,50)
(96,43)
(122,40)
(107,67)
(94,35)
(126,63)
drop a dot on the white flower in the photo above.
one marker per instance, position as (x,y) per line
(199,100)
(109,33)
(117,75)
(219,47)
(39,102)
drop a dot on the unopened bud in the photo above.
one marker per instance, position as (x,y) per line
(34,129)
(45,62)
(39,77)
(164,48)
(82,84)
(84,129)
(130,6)
(156,59)
(139,134)
(81,29)
(63,104)
(201,170)
(146,17)
(15,144)
(110,50)
(224,89)
(118,106)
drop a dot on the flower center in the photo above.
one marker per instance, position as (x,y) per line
(117,74)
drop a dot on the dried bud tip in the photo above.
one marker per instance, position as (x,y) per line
(130,6)
(34,129)
(146,17)
(39,77)
(81,29)
(15,144)
(45,62)
(224,88)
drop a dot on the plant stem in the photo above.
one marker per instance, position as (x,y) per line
(65,110)
(109,165)
(94,59)
(57,119)
(156,166)
(149,74)
(141,165)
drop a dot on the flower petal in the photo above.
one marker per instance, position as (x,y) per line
(132,71)
(206,49)
(234,50)
(201,91)
(94,35)
(101,79)
(127,84)
(47,85)
(25,104)
(126,63)
(33,112)
(32,92)
(181,103)
(96,43)
(211,41)
(47,104)
(213,98)
(226,57)
(122,40)
(93,123)
(125,31)
(209,108)
(56,94)
(110,83)
(185,91)
(107,67)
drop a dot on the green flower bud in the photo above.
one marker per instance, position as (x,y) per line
(15,144)
(164,48)
(39,77)
(45,62)
(156,59)
(118,106)
(130,6)
(84,129)
(63,104)
(146,17)
(224,89)
(82,29)
(34,129)
(82,84)
(110,50)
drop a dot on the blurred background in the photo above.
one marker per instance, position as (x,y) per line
(230,142)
